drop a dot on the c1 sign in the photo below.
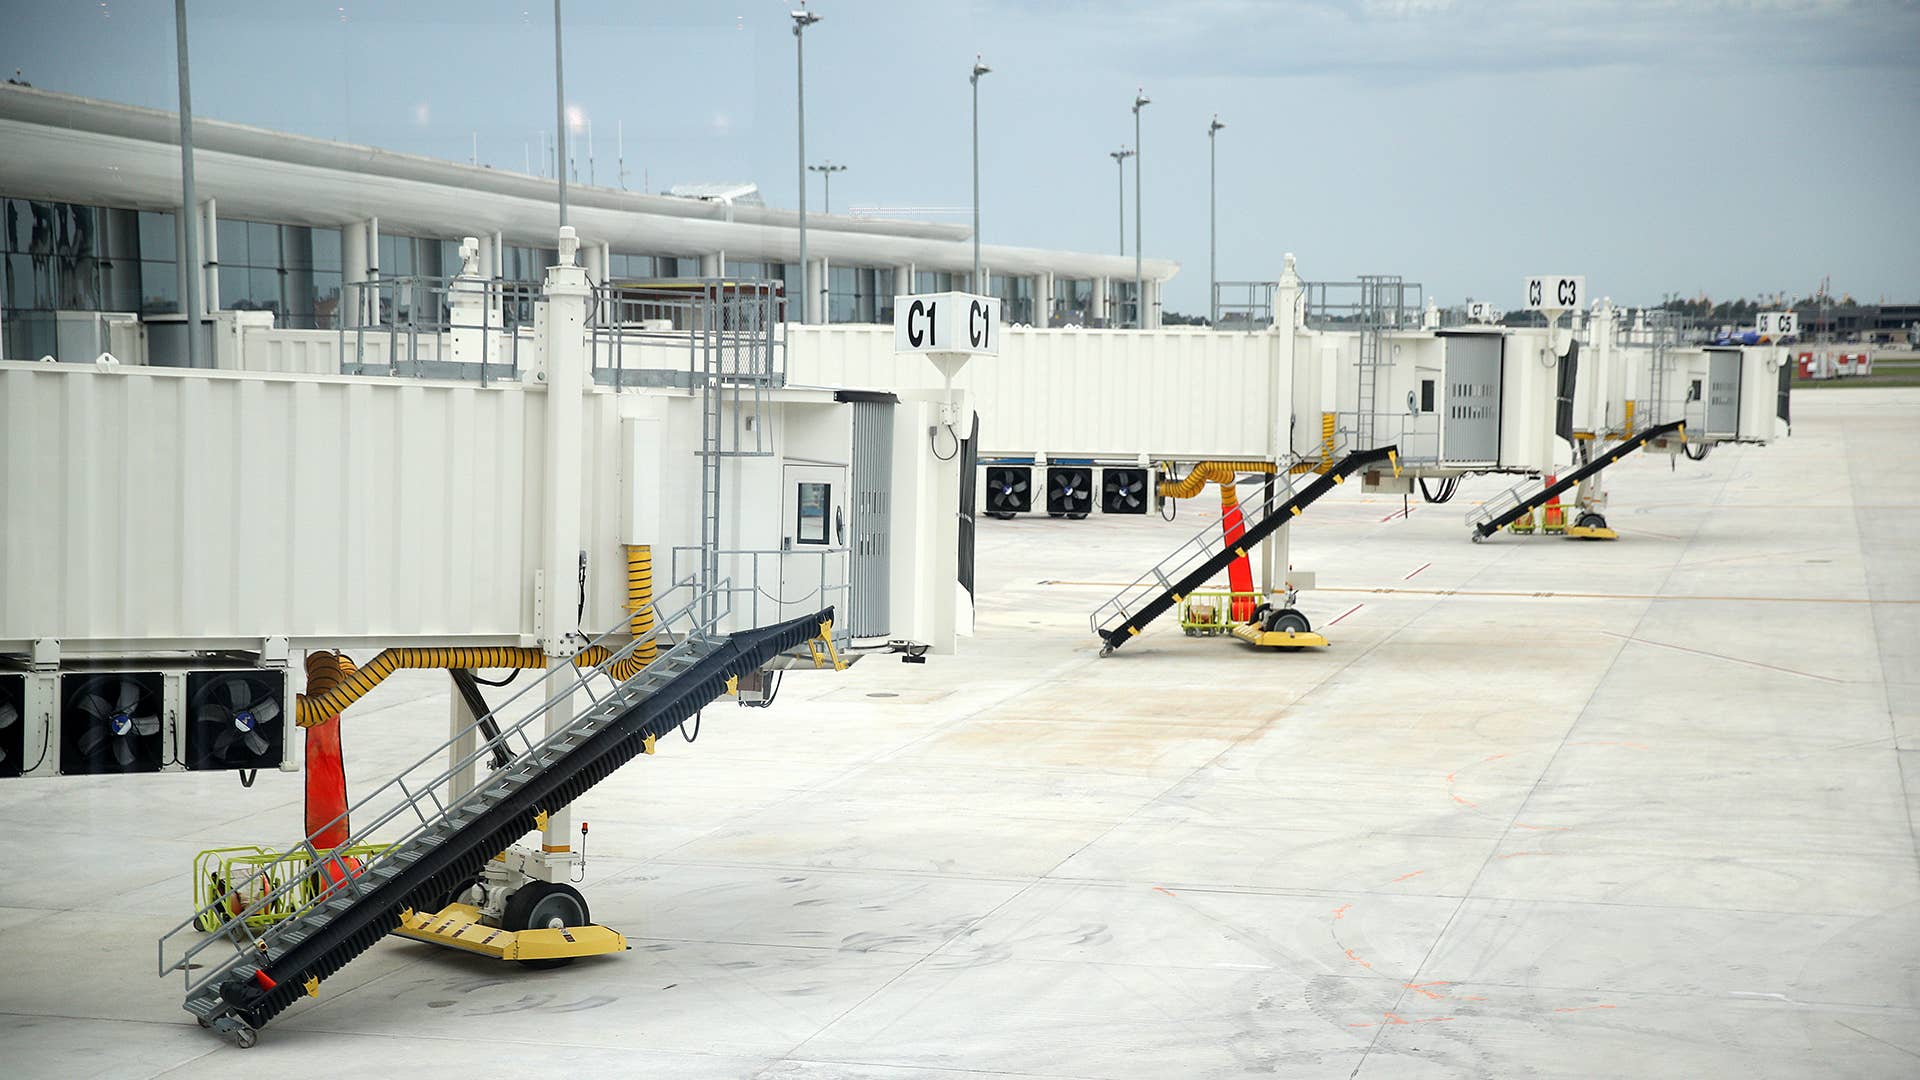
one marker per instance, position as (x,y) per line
(951,322)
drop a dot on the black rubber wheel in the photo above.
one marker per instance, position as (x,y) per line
(1591,520)
(1288,619)
(245,1038)
(1055,514)
(1076,517)
(541,905)
(1000,516)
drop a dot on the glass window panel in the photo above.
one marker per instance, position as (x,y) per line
(263,244)
(263,286)
(234,294)
(231,237)
(76,234)
(159,288)
(326,298)
(326,249)
(19,292)
(17,220)
(156,236)
(40,240)
(79,283)
(121,234)
(296,247)
(122,284)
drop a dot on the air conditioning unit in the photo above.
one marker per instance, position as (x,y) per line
(1069,491)
(112,722)
(1009,490)
(235,719)
(168,717)
(1125,491)
(13,725)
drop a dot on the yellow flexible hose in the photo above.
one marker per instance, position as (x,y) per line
(1213,472)
(332,686)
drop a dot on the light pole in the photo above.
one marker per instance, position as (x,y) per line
(801,20)
(1140,101)
(979,69)
(1213,228)
(1120,157)
(826,180)
(559,115)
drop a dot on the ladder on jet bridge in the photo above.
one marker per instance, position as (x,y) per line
(342,906)
(1196,562)
(1508,507)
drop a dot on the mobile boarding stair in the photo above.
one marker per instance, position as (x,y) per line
(1521,500)
(1200,559)
(240,976)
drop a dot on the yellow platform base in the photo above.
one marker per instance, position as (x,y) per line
(1277,639)
(458,926)
(1588,532)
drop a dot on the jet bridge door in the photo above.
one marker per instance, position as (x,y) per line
(1470,424)
(813,542)
(871,572)
(1723,392)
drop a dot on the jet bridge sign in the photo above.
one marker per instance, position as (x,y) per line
(1556,293)
(950,322)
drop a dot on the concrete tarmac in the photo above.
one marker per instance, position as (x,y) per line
(1544,808)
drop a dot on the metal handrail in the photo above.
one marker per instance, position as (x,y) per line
(751,583)
(233,929)
(1203,545)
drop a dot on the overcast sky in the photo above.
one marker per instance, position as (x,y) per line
(1719,146)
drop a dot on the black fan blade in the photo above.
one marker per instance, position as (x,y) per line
(212,714)
(91,739)
(266,712)
(122,753)
(129,695)
(94,706)
(237,692)
(1021,486)
(224,740)
(8,714)
(146,725)
(255,743)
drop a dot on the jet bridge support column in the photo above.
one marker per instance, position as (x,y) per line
(1286,301)
(562,340)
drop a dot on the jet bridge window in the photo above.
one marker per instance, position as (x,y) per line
(810,526)
(1426,395)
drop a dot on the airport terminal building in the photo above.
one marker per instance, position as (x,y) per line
(90,193)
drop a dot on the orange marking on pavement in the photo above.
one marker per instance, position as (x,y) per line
(1421,989)
(1404,877)
(1476,997)
(1462,801)
(1394,1020)
(1541,828)
(1450,778)
(1355,957)
(1517,854)
(1341,911)
(1584,1008)
(1495,757)
(1169,892)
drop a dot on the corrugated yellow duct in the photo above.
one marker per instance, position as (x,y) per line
(332,694)
(1213,472)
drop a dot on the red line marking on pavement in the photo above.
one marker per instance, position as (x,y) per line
(1341,911)
(1421,989)
(1464,802)
(1404,877)
(1584,1008)
(1541,828)
(1416,570)
(1517,854)
(1397,513)
(1347,612)
(1169,892)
